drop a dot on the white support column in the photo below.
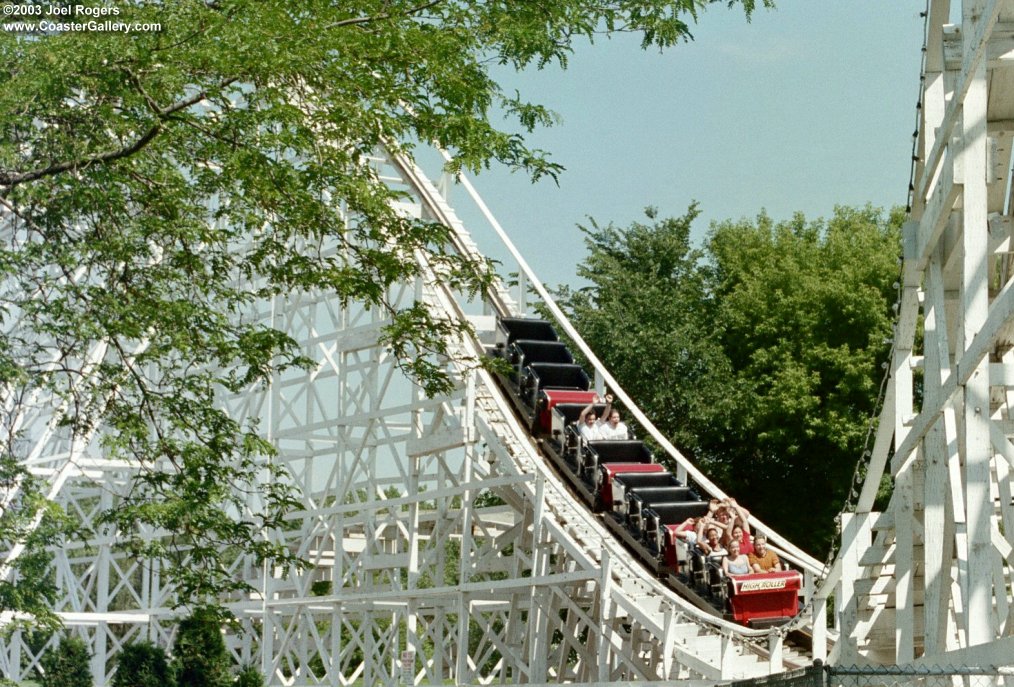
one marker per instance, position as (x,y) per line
(856,539)
(775,643)
(819,628)
(100,649)
(978,586)
(605,617)
(937,548)
(901,378)
(538,622)
(904,635)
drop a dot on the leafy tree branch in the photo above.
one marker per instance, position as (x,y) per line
(158,188)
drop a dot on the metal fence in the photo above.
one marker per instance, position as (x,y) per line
(819,675)
(814,676)
(901,676)
(888,676)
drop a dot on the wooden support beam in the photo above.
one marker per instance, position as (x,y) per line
(975,33)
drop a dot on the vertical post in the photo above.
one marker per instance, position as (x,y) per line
(668,641)
(978,584)
(444,186)
(522,292)
(901,373)
(99,651)
(537,621)
(856,538)
(267,574)
(728,652)
(605,616)
(13,668)
(465,560)
(775,641)
(936,572)
(415,463)
(819,628)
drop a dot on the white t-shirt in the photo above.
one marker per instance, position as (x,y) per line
(590,432)
(607,431)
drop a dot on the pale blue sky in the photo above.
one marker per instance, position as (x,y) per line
(810,105)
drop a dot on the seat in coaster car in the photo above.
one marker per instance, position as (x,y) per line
(607,472)
(570,412)
(643,497)
(525,351)
(613,451)
(698,566)
(566,415)
(658,518)
(673,513)
(539,376)
(716,578)
(636,480)
(511,329)
(558,418)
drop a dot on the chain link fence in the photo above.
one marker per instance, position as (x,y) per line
(938,676)
(819,675)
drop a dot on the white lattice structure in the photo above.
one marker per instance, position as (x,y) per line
(929,579)
(432,526)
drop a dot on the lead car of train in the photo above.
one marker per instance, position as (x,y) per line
(641,502)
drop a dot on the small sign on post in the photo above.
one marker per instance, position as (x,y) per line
(408,667)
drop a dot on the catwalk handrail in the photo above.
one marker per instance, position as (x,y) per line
(793,553)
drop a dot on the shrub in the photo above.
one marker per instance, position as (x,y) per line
(142,664)
(200,656)
(67,665)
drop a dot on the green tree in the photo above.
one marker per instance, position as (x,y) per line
(650,318)
(199,654)
(805,312)
(759,354)
(156,185)
(66,665)
(141,664)
(30,586)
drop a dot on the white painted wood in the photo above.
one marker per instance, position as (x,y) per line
(935,578)
(975,298)
(936,454)
(982,19)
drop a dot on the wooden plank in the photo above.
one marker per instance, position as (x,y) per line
(881,632)
(886,555)
(976,31)
(931,227)
(999,47)
(975,303)
(1000,312)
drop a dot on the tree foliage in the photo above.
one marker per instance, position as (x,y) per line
(26,517)
(141,664)
(649,316)
(66,665)
(759,353)
(199,654)
(157,185)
